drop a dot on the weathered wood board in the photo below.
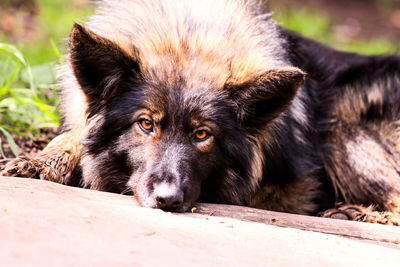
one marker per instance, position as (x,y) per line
(47,224)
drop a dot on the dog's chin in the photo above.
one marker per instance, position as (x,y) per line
(184,208)
(151,203)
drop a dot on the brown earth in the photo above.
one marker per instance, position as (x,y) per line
(26,146)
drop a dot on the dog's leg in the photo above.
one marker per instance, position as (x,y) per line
(364,165)
(56,162)
(362,214)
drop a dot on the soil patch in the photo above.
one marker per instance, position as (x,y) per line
(27,146)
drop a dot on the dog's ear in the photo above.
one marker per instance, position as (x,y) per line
(99,65)
(264,96)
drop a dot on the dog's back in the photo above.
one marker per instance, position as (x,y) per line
(356,114)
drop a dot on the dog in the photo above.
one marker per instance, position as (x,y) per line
(185,101)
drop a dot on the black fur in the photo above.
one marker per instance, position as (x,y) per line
(312,127)
(336,82)
(343,106)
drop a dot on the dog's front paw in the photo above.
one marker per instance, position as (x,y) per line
(28,168)
(361,214)
(22,167)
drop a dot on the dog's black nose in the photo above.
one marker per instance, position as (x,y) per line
(170,202)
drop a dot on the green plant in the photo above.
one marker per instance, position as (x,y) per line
(27,96)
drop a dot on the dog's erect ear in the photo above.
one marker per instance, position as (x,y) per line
(264,96)
(100,65)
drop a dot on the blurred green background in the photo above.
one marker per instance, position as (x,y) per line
(35,25)
(33,36)
(365,26)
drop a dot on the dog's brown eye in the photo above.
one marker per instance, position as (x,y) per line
(146,125)
(201,135)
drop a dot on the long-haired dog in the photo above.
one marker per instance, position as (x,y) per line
(179,101)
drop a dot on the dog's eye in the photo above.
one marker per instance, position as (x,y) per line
(146,125)
(201,135)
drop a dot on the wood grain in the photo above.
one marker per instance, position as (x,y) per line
(377,232)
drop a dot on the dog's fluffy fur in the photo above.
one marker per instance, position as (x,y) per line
(288,124)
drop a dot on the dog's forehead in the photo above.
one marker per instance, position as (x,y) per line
(187,74)
(180,102)
(224,43)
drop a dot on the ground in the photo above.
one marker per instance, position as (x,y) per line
(80,227)
(75,226)
(26,145)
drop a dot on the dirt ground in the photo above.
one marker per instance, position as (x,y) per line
(25,145)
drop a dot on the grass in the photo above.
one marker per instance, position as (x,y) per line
(28,97)
(28,92)
(55,20)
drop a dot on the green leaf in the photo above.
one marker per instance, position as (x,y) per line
(11,78)
(45,125)
(55,48)
(1,150)
(10,141)
(13,51)
(44,74)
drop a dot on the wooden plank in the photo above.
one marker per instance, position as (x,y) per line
(369,231)
(47,224)
(384,233)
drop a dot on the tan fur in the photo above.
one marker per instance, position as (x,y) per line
(369,159)
(74,102)
(257,165)
(295,197)
(231,43)
(187,44)
(62,154)
(362,214)
(226,44)
(374,95)
(57,162)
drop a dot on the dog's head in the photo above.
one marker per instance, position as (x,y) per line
(181,138)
